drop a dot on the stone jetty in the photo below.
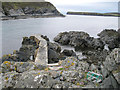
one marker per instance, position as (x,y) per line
(42,52)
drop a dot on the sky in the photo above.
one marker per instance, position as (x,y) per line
(101,6)
(77,2)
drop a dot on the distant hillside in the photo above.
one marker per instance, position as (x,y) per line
(28,9)
(95,14)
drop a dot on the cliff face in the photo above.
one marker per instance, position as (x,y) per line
(14,9)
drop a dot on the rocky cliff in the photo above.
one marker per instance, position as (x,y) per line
(18,10)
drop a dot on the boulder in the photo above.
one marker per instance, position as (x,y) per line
(67,37)
(110,37)
(68,52)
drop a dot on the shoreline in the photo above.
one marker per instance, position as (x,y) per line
(61,66)
(3,18)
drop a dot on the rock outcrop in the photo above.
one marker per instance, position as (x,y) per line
(79,40)
(37,49)
(16,10)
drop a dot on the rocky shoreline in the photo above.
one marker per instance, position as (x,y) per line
(22,70)
(29,16)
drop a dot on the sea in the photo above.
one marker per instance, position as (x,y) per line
(14,30)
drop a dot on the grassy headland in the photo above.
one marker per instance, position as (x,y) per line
(94,14)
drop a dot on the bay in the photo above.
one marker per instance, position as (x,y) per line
(14,30)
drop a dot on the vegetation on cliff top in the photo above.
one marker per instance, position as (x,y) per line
(36,5)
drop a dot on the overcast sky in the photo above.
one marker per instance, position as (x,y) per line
(77,2)
(102,6)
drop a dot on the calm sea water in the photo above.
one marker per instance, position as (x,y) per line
(14,30)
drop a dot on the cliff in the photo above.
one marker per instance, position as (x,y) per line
(18,10)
